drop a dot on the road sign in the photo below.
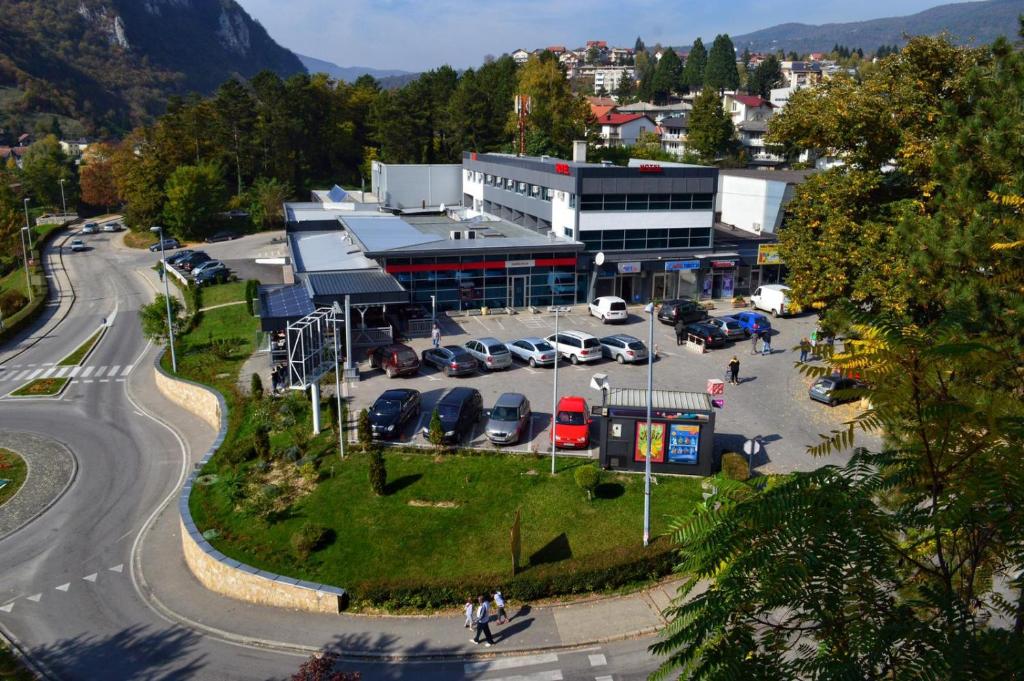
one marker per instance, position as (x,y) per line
(751,447)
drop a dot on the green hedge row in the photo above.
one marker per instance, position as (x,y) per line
(27,314)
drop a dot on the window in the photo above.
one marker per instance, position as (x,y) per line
(591,202)
(637,202)
(660,202)
(569,232)
(572,200)
(681,201)
(520,188)
(702,201)
(534,190)
(546,193)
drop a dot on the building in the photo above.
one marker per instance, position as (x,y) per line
(673,134)
(621,55)
(657,112)
(619,129)
(599,106)
(755,200)
(411,187)
(521,56)
(7,153)
(750,115)
(801,73)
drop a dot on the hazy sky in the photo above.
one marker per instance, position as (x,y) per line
(419,34)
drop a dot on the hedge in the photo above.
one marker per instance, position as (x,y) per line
(40,294)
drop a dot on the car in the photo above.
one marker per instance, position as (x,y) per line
(395,359)
(453,360)
(205,264)
(831,390)
(491,353)
(392,411)
(609,309)
(532,350)
(685,309)
(90,228)
(179,256)
(772,298)
(78,245)
(508,419)
(187,263)
(459,410)
(168,245)
(576,346)
(730,326)
(223,235)
(111,227)
(752,322)
(623,348)
(572,423)
(212,275)
(710,335)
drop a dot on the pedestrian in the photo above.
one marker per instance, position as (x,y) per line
(734,370)
(680,332)
(160,272)
(766,342)
(753,343)
(805,348)
(469,612)
(435,335)
(814,342)
(499,601)
(483,615)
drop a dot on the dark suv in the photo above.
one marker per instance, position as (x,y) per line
(194,260)
(672,311)
(395,360)
(459,410)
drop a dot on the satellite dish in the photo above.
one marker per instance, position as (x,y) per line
(599,258)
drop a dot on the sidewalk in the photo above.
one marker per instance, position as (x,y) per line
(170,587)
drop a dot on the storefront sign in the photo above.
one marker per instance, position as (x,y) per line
(678,265)
(649,168)
(657,442)
(519,263)
(723,263)
(628,267)
(562,168)
(683,443)
(768,254)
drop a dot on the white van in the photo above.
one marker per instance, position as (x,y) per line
(772,298)
(609,309)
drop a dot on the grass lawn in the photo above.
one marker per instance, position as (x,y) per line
(79,354)
(198,357)
(218,294)
(15,279)
(139,239)
(41,387)
(13,470)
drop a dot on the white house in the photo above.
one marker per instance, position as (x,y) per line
(521,56)
(673,134)
(755,200)
(618,129)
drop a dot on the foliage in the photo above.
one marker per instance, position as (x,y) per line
(256,386)
(251,291)
(765,76)
(587,479)
(308,538)
(320,667)
(625,93)
(153,318)
(720,73)
(261,442)
(13,469)
(378,471)
(96,178)
(11,301)
(735,466)
(363,429)
(696,64)
(195,193)
(557,117)
(266,200)
(480,106)
(711,130)
(667,77)
(435,431)
(43,166)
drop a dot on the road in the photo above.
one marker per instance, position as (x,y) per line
(71,595)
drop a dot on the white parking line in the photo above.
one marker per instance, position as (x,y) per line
(598,660)
(107,380)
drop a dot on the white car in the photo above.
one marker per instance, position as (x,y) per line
(772,298)
(90,228)
(111,227)
(78,245)
(532,350)
(609,309)
(576,346)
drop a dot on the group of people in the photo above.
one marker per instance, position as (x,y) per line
(765,336)
(478,615)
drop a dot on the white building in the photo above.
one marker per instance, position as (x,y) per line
(521,56)
(755,200)
(750,114)
(673,134)
(618,129)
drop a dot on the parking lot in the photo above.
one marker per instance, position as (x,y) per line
(770,402)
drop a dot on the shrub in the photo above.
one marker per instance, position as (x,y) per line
(308,539)
(735,467)
(256,386)
(11,301)
(251,291)
(261,443)
(435,433)
(292,453)
(238,453)
(363,429)
(309,472)
(587,479)
(378,471)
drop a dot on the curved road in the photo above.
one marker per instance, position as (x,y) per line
(69,597)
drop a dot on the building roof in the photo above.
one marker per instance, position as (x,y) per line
(556,49)
(364,287)
(386,233)
(660,399)
(322,251)
(620,118)
(676,122)
(284,302)
(753,126)
(647,107)
(601,111)
(751,100)
(787,176)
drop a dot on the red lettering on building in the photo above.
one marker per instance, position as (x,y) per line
(562,168)
(649,168)
(472,156)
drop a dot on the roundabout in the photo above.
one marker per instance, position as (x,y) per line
(39,470)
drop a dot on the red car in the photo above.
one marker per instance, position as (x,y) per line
(572,423)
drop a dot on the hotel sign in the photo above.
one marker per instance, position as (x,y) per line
(680,265)
(562,168)
(649,168)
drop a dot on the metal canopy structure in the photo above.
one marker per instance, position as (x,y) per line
(310,355)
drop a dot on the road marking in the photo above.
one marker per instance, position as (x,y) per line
(93,576)
(509,663)
(113,370)
(598,660)
(553,675)
(46,364)
(127,369)
(74,371)
(22,374)
(117,568)
(35,599)
(64,587)
(60,372)
(34,374)
(46,374)
(603,678)
(100,370)
(120,380)
(88,370)
(104,380)
(8,607)
(87,380)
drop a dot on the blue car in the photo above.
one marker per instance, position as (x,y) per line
(752,322)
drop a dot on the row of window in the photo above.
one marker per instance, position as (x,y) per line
(631,202)
(643,239)
(523,188)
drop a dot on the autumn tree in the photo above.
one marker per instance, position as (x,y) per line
(711,130)
(265,199)
(96,178)
(139,177)
(557,116)
(194,195)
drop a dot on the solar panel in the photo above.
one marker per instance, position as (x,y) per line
(287,302)
(337,194)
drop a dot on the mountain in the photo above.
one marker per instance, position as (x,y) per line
(112,64)
(967,22)
(345,73)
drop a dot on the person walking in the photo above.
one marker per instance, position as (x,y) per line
(680,332)
(805,349)
(753,342)
(499,602)
(483,615)
(766,342)
(734,370)
(435,335)
(469,612)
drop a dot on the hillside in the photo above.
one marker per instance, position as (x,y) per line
(346,73)
(113,63)
(967,23)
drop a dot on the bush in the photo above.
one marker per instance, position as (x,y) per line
(735,467)
(363,429)
(256,386)
(237,454)
(378,471)
(261,443)
(11,301)
(308,539)
(435,432)
(587,479)
(251,291)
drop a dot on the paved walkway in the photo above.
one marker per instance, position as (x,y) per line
(51,468)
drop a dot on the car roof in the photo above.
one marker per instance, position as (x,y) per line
(572,402)
(573,332)
(611,298)
(776,287)
(396,394)
(510,400)
(487,339)
(531,339)
(624,337)
(457,395)
(726,318)
(396,346)
(457,349)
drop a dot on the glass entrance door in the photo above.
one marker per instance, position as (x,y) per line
(519,290)
(664,286)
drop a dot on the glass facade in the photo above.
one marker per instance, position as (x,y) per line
(645,239)
(646,202)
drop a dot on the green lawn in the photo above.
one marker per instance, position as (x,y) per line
(41,387)
(14,470)
(15,279)
(219,294)
(79,354)
(133,239)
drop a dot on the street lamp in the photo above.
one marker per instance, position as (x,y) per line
(649,309)
(24,253)
(554,390)
(336,310)
(167,295)
(28,225)
(63,203)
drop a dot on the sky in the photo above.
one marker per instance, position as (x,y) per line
(416,35)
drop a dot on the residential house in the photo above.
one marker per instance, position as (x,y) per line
(658,112)
(75,148)
(570,60)
(599,106)
(673,134)
(7,153)
(618,129)
(557,50)
(621,55)
(25,139)
(750,115)
(801,73)
(521,56)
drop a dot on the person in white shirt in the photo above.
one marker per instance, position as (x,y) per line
(469,611)
(483,615)
(499,601)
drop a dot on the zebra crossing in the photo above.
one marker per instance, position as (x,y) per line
(518,668)
(104,373)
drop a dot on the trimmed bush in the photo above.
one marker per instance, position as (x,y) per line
(308,539)
(256,386)
(735,467)
(435,433)
(378,471)
(363,429)
(587,479)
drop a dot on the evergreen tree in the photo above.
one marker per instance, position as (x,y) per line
(626,91)
(667,76)
(638,46)
(766,75)
(696,63)
(645,70)
(711,129)
(378,471)
(721,71)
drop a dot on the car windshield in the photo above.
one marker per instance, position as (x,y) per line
(571,418)
(386,407)
(543,346)
(504,413)
(406,356)
(617,306)
(636,345)
(591,343)
(732,325)
(448,411)
(497,349)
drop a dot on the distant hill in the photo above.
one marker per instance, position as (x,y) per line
(111,64)
(967,22)
(346,73)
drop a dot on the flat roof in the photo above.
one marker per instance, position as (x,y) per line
(660,399)
(326,251)
(787,176)
(364,286)
(386,233)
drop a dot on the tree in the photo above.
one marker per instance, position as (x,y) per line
(645,70)
(593,55)
(364,430)
(639,46)
(667,76)
(96,178)
(766,75)
(194,195)
(721,71)
(261,441)
(153,318)
(43,166)
(139,176)
(696,63)
(378,471)
(626,89)
(435,431)
(266,199)
(557,117)
(235,113)
(256,386)
(711,130)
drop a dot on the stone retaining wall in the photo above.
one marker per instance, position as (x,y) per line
(212,568)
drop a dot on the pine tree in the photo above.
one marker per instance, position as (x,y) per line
(766,75)
(667,76)
(696,63)
(721,71)
(378,471)
(711,129)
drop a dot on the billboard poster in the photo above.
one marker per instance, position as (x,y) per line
(657,442)
(768,254)
(727,286)
(683,443)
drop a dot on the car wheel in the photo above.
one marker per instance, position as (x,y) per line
(390,372)
(533,363)
(373,363)
(604,319)
(574,359)
(775,313)
(620,359)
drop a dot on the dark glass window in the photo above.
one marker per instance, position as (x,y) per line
(615,202)
(591,202)
(636,202)
(660,202)
(702,201)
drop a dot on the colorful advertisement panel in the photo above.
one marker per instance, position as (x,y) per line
(657,442)
(768,254)
(683,443)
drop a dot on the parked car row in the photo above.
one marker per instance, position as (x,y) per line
(200,266)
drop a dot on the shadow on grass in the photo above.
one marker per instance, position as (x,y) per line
(555,551)
(609,490)
(398,484)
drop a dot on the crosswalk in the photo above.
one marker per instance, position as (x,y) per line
(517,668)
(104,373)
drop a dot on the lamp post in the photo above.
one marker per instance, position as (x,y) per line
(336,310)
(24,253)
(28,225)
(167,296)
(554,394)
(649,309)
(63,203)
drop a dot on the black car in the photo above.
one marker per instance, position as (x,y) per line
(168,244)
(832,390)
(187,263)
(711,335)
(689,311)
(453,360)
(459,410)
(179,256)
(213,275)
(392,411)
(223,235)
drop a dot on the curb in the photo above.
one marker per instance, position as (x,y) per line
(59,495)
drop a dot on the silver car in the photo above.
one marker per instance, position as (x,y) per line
(509,419)
(491,353)
(532,350)
(730,326)
(209,264)
(623,348)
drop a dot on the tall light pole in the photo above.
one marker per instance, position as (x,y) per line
(24,253)
(336,310)
(28,225)
(649,309)
(167,296)
(554,395)
(63,203)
